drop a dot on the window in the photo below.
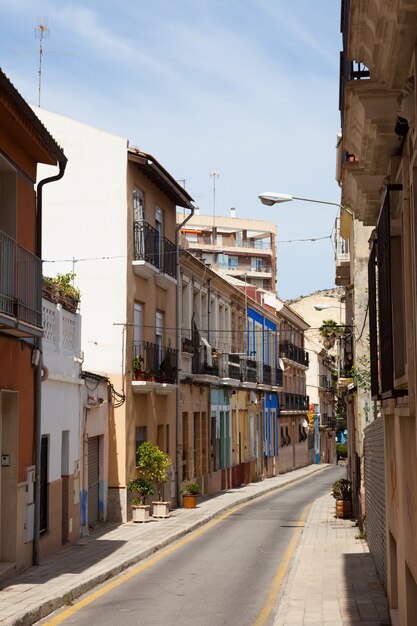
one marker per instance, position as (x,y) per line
(141,437)
(233,262)
(159,236)
(137,329)
(385,287)
(138,206)
(256,264)
(192,237)
(159,337)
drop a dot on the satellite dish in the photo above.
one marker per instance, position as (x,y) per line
(281,364)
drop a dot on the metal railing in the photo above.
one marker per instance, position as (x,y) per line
(288,350)
(324,382)
(151,247)
(293,402)
(20,282)
(158,362)
(341,246)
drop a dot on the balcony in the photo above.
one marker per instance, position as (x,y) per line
(290,352)
(158,370)
(342,257)
(153,255)
(292,402)
(324,382)
(231,369)
(20,290)
(345,357)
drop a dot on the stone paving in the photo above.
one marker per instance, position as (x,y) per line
(333,580)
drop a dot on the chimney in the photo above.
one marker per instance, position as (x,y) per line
(233,212)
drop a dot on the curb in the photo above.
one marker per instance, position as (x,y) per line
(30,616)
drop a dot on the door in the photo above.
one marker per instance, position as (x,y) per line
(93,480)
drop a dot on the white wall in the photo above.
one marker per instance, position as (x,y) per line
(61,391)
(84,217)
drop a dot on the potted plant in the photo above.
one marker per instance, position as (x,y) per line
(342,493)
(142,486)
(49,289)
(153,463)
(138,372)
(63,290)
(330,331)
(189,495)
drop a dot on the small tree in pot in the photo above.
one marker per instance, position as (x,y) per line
(153,463)
(342,493)
(143,487)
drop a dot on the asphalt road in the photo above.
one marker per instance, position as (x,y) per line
(228,575)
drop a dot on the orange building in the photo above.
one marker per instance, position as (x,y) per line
(24,142)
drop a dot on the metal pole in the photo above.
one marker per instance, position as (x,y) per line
(177,360)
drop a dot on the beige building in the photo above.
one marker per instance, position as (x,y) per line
(238,248)
(378,177)
(229,400)
(315,308)
(119,209)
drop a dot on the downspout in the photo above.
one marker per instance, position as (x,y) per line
(38,371)
(177,360)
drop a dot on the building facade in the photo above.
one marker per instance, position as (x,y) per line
(238,248)
(378,177)
(24,144)
(127,273)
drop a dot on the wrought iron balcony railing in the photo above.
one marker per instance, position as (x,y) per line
(158,362)
(288,350)
(293,402)
(20,282)
(151,247)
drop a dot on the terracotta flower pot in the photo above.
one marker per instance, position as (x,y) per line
(343,509)
(189,501)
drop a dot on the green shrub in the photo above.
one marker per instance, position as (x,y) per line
(341,448)
(342,489)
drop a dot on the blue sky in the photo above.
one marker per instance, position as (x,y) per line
(246,88)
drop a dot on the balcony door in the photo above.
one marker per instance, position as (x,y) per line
(159,236)
(139,220)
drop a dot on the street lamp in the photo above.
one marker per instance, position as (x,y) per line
(271,197)
(324,307)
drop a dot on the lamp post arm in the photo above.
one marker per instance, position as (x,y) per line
(343,208)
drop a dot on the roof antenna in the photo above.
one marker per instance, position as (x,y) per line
(42,32)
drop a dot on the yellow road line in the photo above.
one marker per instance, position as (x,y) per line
(133,572)
(281,571)
(148,563)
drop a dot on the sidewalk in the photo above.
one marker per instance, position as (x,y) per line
(333,581)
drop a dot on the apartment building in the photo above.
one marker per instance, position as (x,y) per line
(24,144)
(378,179)
(118,206)
(230,377)
(235,247)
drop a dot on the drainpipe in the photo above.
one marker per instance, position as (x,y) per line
(62,161)
(178,343)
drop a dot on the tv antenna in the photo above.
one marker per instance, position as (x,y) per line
(42,31)
(214,175)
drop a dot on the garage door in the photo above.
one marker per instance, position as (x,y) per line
(93,476)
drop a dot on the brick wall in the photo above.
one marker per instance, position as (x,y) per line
(374,467)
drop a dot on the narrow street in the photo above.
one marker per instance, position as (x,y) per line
(223,575)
